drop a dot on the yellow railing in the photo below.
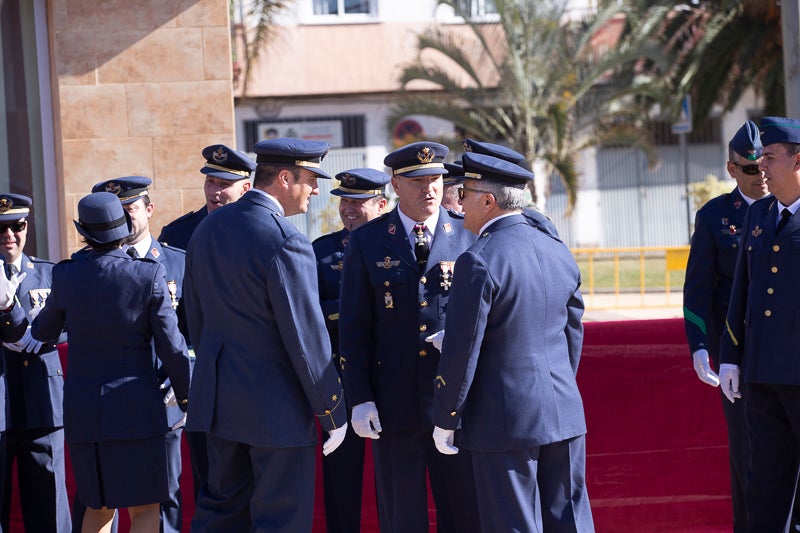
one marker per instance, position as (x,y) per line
(633,276)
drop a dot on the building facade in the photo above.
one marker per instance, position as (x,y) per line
(332,71)
(94,90)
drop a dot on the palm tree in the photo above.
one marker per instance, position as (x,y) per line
(717,50)
(533,80)
(260,16)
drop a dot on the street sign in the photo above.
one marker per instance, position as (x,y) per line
(684,123)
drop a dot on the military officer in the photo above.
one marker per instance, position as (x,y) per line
(506,373)
(361,199)
(709,273)
(396,281)
(264,370)
(760,345)
(135,197)
(227,177)
(35,433)
(452,182)
(536,218)
(118,310)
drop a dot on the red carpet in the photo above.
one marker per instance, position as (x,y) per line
(657,452)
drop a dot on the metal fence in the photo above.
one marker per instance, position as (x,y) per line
(632,277)
(323,215)
(641,206)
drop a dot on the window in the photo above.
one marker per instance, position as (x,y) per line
(342,7)
(477,8)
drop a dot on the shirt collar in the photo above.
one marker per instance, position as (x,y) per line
(495,219)
(272,198)
(143,247)
(409,223)
(792,208)
(747,199)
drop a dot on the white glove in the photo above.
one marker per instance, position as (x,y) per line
(365,420)
(443,438)
(170,400)
(26,344)
(8,288)
(436,339)
(703,369)
(336,438)
(180,423)
(729,381)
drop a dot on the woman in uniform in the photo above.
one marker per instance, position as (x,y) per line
(116,310)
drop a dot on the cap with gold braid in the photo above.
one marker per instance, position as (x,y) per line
(361,183)
(418,159)
(14,207)
(226,163)
(127,188)
(293,152)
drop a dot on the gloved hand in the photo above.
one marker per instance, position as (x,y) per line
(443,438)
(365,420)
(170,400)
(703,369)
(26,344)
(180,423)
(8,288)
(336,438)
(729,381)
(436,339)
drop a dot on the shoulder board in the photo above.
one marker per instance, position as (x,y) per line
(165,246)
(376,220)
(455,214)
(38,260)
(180,218)
(329,236)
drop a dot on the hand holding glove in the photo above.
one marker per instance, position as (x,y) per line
(703,369)
(8,289)
(729,381)
(180,423)
(365,420)
(443,439)
(436,339)
(170,400)
(26,344)
(335,439)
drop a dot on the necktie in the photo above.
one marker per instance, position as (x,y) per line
(421,249)
(785,214)
(10,270)
(131,251)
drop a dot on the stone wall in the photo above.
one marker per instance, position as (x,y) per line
(139,88)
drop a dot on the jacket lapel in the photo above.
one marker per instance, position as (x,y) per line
(398,244)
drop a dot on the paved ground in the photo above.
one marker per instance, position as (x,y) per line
(606,307)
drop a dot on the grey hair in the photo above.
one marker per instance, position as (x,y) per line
(508,198)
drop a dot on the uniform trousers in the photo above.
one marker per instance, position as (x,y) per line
(539,489)
(256,489)
(41,479)
(198,455)
(402,459)
(343,475)
(773,430)
(737,456)
(172,510)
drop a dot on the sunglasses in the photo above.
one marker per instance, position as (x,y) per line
(462,190)
(16,227)
(750,170)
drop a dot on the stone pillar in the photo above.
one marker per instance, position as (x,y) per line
(139,88)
